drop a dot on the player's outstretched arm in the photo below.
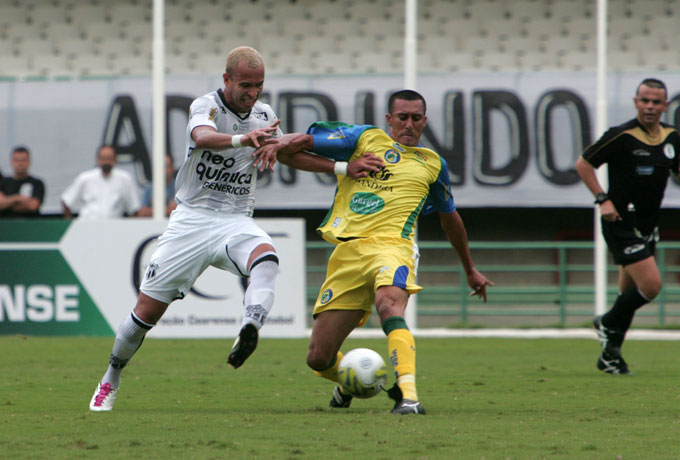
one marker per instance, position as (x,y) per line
(207,137)
(453,227)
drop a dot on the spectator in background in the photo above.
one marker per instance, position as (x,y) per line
(21,195)
(104,192)
(147,199)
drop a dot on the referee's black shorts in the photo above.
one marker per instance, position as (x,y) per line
(627,244)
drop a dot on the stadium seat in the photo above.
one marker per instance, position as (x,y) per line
(661,59)
(57,31)
(132,65)
(578,60)
(75,47)
(44,14)
(438,44)
(16,66)
(35,46)
(53,66)
(114,47)
(453,62)
(543,28)
(527,10)
(624,60)
(122,13)
(445,10)
(583,28)
(280,10)
(625,27)
(497,61)
(502,28)
(483,10)
(325,10)
(88,66)
(203,12)
(537,61)
(648,10)
(461,28)
(82,14)
(334,28)
(567,10)
(334,63)
(480,45)
(142,31)
(100,31)
(376,62)
(563,45)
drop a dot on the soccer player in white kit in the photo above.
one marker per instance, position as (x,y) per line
(213,223)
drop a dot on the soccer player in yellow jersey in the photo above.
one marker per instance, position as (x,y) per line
(372,222)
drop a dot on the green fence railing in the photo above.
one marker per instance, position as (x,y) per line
(536,283)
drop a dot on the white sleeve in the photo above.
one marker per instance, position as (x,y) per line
(72,196)
(203,112)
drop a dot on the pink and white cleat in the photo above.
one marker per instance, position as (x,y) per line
(103,398)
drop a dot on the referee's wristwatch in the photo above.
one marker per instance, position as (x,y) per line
(601,198)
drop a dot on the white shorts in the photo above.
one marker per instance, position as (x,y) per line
(194,240)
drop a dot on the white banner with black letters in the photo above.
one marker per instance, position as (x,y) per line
(510,139)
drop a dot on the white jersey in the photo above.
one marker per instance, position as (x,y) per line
(221,180)
(94,196)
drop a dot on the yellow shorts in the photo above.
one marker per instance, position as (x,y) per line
(357,268)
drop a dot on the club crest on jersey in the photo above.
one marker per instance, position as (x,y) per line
(392,156)
(336,135)
(326,296)
(669,151)
(211,117)
(235,127)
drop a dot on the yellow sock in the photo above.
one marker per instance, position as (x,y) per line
(331,373)
(402,350)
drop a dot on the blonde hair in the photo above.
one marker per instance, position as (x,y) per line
(243,53)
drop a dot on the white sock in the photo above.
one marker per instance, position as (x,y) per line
(129,338)
(259,296)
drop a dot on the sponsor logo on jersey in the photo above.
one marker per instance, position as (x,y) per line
(420,157)
(399,147)
(215,171)
(337,134)
(261,115)
(382,174)
(669,151)
(644,170)
(326,296)
(211,117)
(633,249)
(235,127)
(374,185)
(641,153)
(392,156)
(366,203)
(336,222)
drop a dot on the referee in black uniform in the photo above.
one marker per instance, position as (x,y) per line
(640,153)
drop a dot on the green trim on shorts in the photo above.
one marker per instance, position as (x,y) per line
(392,323)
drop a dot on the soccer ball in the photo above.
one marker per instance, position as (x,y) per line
(362,373)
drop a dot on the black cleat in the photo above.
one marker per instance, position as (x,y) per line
(610,361)
(244,346)
(404,406)
(611,365)
(340,399)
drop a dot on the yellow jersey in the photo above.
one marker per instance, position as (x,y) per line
(387,202)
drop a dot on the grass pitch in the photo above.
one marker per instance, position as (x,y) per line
(486,398)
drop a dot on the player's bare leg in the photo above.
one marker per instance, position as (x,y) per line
(330,330)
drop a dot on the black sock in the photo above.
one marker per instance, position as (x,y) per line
(621,315)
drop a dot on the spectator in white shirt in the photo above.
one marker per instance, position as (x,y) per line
(104,192)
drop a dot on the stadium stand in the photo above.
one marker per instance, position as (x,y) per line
(332,36)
